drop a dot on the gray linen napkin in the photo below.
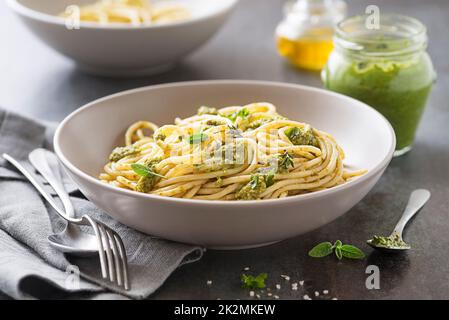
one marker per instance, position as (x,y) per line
(30,268)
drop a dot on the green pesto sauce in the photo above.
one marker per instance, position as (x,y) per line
(397,89)
(253,189)
(146,183)
(121,152)
(393,241)
(302,136)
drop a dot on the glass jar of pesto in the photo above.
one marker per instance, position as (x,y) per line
(387,67)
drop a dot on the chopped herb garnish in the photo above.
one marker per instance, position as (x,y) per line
(197,138)
(242,113)
(285,161)
(269,179)
(278,164)
(341,250)
(251,282)
(255,182)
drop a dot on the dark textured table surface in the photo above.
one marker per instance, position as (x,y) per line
(36,81)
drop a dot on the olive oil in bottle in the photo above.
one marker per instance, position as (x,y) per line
(305,35)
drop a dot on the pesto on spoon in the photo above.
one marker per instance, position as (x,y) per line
(394,242)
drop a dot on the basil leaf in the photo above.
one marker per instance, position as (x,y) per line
(337,244)
(338,252)
(254,182)
(140,169)
(285,161)
(260,280)
(352,252)
(144,171)
(269,179)
(251,282)
(321,250)
(242,113)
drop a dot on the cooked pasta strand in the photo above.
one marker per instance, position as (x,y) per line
(234,153)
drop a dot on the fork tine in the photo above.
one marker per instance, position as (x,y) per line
(104,245)
(103,262)
(124,260)
(107,247)
(116,255)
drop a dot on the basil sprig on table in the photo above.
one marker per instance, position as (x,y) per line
(251,282)
(341,250)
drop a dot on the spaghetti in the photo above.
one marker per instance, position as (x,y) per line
(136,12)
(234,153)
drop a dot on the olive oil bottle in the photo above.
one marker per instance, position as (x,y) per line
(305,35)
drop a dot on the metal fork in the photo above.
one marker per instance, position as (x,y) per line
(112,254)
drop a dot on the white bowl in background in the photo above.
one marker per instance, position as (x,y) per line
(118,49)
(85,138)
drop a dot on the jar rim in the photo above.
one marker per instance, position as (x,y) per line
(396,35)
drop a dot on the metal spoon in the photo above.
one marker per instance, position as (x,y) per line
(417,200)
(71,240)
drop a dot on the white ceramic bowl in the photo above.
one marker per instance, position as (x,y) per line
(84,140)
(123,50)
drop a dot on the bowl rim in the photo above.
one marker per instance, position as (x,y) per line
(23,10)
(313,195)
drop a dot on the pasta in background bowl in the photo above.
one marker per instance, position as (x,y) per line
(123,49)
(135,12)
(84,141)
